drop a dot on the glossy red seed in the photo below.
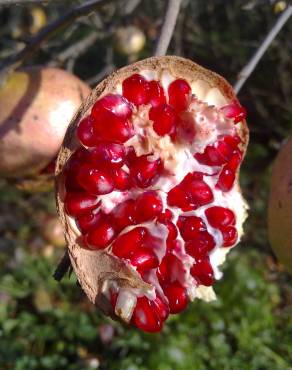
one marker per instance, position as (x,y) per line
(200,193)
(230,236)
(78,203)
(95,181)
(233,141)
(189,226)
(177,197)
(86,133)
(126,244)
(148,206)
(113,103)
(135,89)
(144,259)
(179,92)
(163,117)
(165,216)
(201,243)
(107,154)
(109,127)
(172,232)
(122,179)
(177,297)
(226,179)
(123,214)
(145,171)
(88,220)
(145,317)
(219,217)
(234,111)
(235,160)
(72,169)
(160,307)
(202,271)
(101,235)
(169,269)
(156,93)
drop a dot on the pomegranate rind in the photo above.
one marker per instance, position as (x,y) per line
(37,104)
(280,206)
(94,269)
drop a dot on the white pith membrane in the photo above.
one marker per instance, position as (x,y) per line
(210,123)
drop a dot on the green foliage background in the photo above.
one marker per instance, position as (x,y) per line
(46,325)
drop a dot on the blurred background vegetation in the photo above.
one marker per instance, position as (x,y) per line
(50,325)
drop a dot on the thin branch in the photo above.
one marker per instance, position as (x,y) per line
(63,267)
(167,27)
(75,50)
(252,63)
(29,2)
(47,32)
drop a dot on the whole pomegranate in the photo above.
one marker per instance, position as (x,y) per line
(280,206)
(150,198)
(129,40)
(36,106)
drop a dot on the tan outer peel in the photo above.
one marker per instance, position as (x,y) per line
(93,268)
(36,106)
(280,206)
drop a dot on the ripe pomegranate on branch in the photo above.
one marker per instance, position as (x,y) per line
(36,106)
(147,188)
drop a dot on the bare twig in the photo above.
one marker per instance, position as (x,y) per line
(63,267)
(75,50)
(47,32)
(252,63)
(29,2)
(167,27)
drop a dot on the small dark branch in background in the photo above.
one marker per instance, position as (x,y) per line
(32,2)
(75,50)
(167,27)
(252,63)
(13,62)
(63,267)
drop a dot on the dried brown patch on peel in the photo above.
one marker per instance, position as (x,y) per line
(150,202)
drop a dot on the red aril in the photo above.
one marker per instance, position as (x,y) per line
(179,92)
(146,316)
(163,117)
(202,272)
(78,203)
(219,217)
(135,89)
(95,181)
(235,112)
(156,94)
(148,206)
(177,297)
(113,103)
(126,244)
(160,204)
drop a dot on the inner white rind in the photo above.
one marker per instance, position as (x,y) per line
(179,161)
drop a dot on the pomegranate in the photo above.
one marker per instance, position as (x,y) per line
(129,40)
(176,134)
(280,205)
(37,104)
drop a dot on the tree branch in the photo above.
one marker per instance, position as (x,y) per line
(29,2)
(63,267)
(14,61)
(252,63)
(167,27)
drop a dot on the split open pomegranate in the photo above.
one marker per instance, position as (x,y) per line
(150,197)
